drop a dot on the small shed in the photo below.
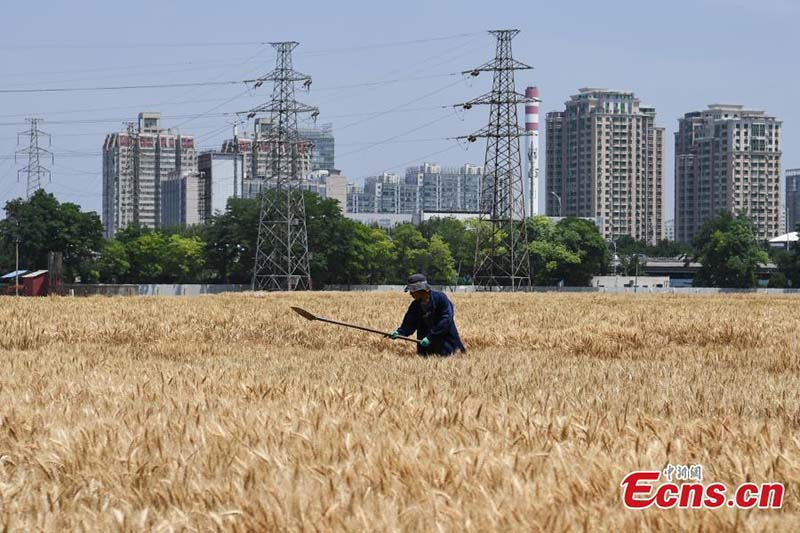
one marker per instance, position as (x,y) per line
(7,281)
(35,283)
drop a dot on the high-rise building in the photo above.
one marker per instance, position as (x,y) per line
(328,184)
(605,159)
(669,230)
(254,148)
(425,188)
(135,162)
(181,199)
(322,146)
(217,172)
(727,158)
(792,199)
(387,193)
(444,189)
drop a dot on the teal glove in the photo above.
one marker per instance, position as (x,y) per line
(425,342)
(393,335)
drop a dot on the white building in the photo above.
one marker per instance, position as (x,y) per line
(181,202)
(728,158)
(217,171)
(256,149)
(135,163)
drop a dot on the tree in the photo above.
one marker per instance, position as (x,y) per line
(183,259)
(460,240)
(549,256)
(373,257)
(730,254)
(230,238)
(435,261)
(788,262)
(582,238)
(46,225)
(113,264)
(410,245)
(146,255)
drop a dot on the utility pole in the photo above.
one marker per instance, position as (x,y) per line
(282,256)
(507,262)
(34,171)
(16,266)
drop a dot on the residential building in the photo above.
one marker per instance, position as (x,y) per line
(258,156)
(425,188)
(181,199)
(328,184)
(605,159)
(447,188)
(792,199)
(322,146)
(135,162)
(669,229)
(387,193)
(727,158)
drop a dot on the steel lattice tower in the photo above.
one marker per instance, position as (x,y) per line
(34,171)
(501,253)
(282,257)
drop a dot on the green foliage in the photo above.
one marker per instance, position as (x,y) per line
(151,257)
(582,238)
(341,251)
(549,256)
(730,254)
(373,256)
(113,264)
(788,262)
(431,257)
(231,242)
(183,259)
(44,225)
(629,251)
(459,238)
(778,281)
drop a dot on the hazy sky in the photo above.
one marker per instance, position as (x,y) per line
(678,56)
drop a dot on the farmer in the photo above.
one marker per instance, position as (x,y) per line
(431,316)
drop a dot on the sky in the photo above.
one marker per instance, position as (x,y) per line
(386,75)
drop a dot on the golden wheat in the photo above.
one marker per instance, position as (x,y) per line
(232,413)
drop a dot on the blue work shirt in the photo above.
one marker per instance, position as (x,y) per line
(434,321)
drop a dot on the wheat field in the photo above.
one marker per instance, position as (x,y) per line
(232,413)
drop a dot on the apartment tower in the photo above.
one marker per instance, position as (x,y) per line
(727,158)
(135,163)
(605,160)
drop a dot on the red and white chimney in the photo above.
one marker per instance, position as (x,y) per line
(532,129)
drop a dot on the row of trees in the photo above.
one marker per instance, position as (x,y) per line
(223,251)
(347,252)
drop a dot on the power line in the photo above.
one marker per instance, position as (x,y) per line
(416,159)
(399,107)
(119,87)
(126,67)
(394,137)
(106,45)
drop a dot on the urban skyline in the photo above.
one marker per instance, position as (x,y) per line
(360,116)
